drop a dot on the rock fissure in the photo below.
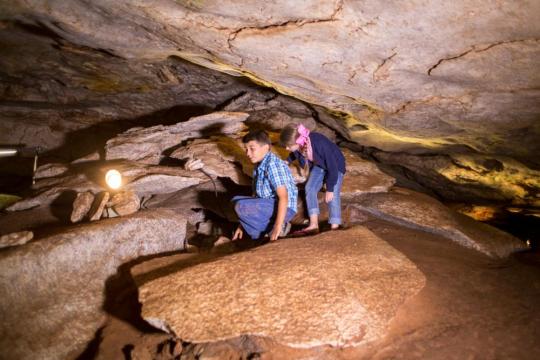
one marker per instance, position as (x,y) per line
(477,49)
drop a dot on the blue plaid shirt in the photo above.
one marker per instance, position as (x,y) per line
(271,173)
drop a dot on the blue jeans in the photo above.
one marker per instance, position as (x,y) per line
(314,185)
(257,215)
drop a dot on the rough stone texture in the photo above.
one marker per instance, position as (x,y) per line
(124,203)
(160,184)
(81,206)
(17,238)
(147,144)
(98,205)
(417,210)
(354,285)
(48,190)
(431,75)
(363,176)
(50,170)
(53,289)
(219,156)
(496,178)
(142,178)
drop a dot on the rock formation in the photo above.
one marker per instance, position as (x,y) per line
(57,284)
(417,210)
(264,292)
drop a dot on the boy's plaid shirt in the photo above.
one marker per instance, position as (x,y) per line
(271,173)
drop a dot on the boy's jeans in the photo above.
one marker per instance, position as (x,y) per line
(257,215)
(312,188)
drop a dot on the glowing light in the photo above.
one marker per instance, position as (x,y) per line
(113,178)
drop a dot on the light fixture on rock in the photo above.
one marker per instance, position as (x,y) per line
(113,178)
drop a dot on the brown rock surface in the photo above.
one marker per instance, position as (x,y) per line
(219,155)
(60,281)
(355,285)
(363,176)
(409,208)
(81,206)
(125,203)
(98,205)
(147,144)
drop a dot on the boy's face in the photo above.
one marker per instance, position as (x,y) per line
(255,151)
(292,147)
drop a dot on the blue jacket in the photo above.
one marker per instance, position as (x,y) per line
(326,155)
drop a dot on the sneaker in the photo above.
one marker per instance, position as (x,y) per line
(285,230)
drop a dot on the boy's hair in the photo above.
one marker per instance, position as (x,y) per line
(288,135)
(259,136)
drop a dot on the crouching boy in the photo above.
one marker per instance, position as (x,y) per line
(274,201)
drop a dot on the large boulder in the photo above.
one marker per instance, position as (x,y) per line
(420,211)
(301,292)
(53,289)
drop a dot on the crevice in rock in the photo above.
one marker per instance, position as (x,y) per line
(476,49)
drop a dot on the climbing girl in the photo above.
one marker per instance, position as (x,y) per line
(326,164)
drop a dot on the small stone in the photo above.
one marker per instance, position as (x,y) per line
(16,238)
(98,205)
(124,203)
(81,206)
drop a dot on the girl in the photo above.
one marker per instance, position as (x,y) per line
(326,163)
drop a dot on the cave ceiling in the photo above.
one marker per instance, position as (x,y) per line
(402,76)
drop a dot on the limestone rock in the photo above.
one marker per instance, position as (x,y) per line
(17,238)
(98,205)
(147,144)
(363,176)
(81,206)
(50,170)
(160,184)
(472,176)
(354,283)
(50,189)
(61,281)
(125,203)
(219,154)
(409,208)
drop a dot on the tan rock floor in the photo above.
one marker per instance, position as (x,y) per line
(472,307)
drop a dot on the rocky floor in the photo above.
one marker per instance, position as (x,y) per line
(472,307)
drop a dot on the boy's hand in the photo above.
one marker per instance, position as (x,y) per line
(238,233)
(274,235)
(329,196)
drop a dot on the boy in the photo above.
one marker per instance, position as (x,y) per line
(275,193)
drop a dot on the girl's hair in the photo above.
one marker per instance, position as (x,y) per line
(288,135)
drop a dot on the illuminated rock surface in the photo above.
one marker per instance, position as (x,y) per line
(417,210)
(17,238)
(301,292)
(57,284)
(146,145)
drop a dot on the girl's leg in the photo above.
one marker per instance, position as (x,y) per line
(312,188)
(334,206)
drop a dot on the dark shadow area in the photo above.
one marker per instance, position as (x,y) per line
(92,139)
(92,348)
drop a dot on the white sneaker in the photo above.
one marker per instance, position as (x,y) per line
(285,230)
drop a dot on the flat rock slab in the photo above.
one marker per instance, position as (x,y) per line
(147,144)
(337,288)
(420,211)
(53,289)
